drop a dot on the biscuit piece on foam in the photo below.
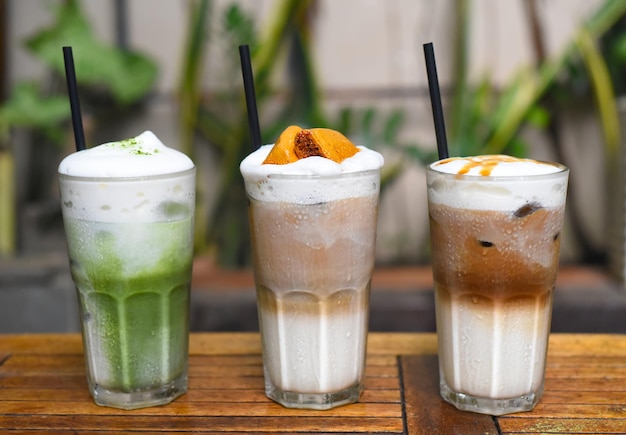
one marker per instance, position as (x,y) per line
(324,142)
(283,150)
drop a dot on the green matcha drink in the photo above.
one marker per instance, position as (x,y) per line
(128,213)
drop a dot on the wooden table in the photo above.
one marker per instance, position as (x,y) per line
(42,386)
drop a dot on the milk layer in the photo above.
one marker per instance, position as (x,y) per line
(493,348)
(313,344)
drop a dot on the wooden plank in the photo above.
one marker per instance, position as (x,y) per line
(203,382)
(588,372)
(31,365)
(45,381)
(258,409)
(214,343)
(170,432)
(556,365)
(568,361)
(582,384)
(230,343)
(567,410)
(589,345)
(401,343)
(510,425)
(426,412)
(41,343)
(121,423)
(173,432)
(382,360)
(56,360)
(584,397)
(378,343)
(238,343)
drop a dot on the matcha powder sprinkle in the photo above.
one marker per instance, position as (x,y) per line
(134,146)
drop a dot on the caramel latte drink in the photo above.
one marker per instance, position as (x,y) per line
(495,225)
(313,228)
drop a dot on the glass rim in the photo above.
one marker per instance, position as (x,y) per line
(126,179)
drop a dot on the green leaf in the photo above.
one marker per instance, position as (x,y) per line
(28,108)
(603,90)
(516,147)
(538,116)
(420,154)
(240,27)
(618,49)
(128,76)
(392,126)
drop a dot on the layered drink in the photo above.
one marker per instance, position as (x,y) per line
(313,229)
(495,225)
(128,214)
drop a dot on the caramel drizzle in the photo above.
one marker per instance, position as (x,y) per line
(484,163)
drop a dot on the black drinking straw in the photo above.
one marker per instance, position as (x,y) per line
(72,89)
(435,101)
(248,84)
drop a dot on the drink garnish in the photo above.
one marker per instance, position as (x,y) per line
(296,143)
(283,151)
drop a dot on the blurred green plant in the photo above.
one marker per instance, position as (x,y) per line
(485,119)
(110,80)
(220,118)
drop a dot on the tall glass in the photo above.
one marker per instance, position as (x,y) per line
(495,252)
(130,247)
(313,240)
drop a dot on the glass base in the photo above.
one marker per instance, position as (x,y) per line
(320,401)
(161,395)
(485,405)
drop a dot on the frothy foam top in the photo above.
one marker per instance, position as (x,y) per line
(494,166)
(141,156)
(500,183)
(266,182)
(133,180)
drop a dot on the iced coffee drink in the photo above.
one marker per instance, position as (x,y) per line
(495,225)
(313,229)
(128,215)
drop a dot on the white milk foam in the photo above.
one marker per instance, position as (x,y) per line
(510,184)
(142,156)
(329,180)
(133,180)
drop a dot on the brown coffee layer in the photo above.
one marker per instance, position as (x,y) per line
(318,248)
(495,254)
